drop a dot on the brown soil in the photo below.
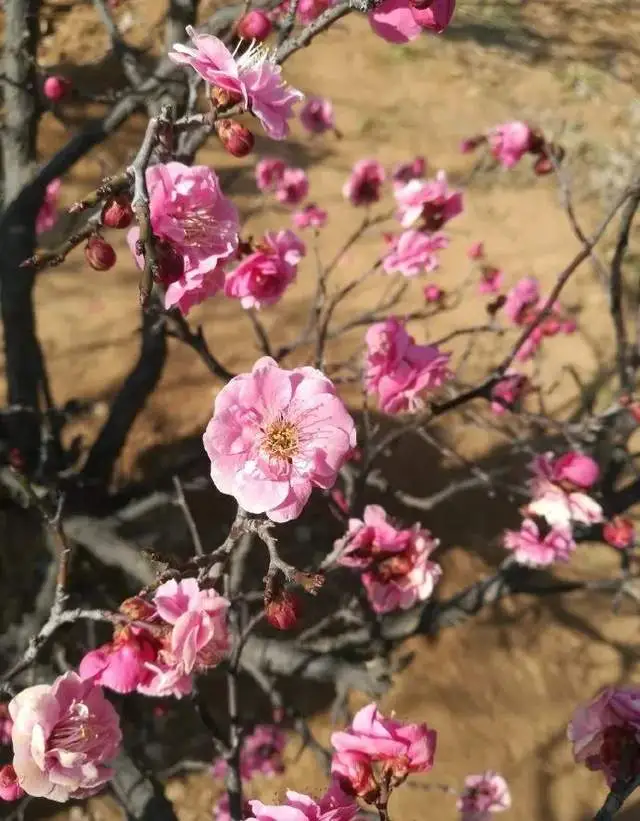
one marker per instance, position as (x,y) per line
(501,689)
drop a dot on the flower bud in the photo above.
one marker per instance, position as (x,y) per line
(254,26)
(117,212)
(282,611)
(99,254)
(222,97)
(10,790)
(137,609)
(433,293)
(619,532)
(56,88)
(170,263)
(237,139)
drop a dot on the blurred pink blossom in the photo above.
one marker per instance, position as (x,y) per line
(414,252)
(10,789)
(560,507)
(482,795)
(490,279)
(317,116)
(576,469)
(399,21)
(536,546)
(475,250)
(411,170)
(269,173)
(363,186)
(48,213)
(433,293)
(299,807)
(508,392)
(292,187)
(509,142)
(261,753)
(430,201)
(310,216)
(524,295)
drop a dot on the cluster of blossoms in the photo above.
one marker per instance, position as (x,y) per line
(398,370)
(181,632)
(509,142)
(394,562)
(522,305)
(559,503)
(290,186)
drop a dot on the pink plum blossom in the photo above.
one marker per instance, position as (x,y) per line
(483,794)
(620,533)
(433,293)
(274,435)
(509,142)
(398,21)
(560,507)
(398,370)
(413,252)
(122,665)
(576,469)
(292,187)
(222,809)
(524,295)
(490,279)
(333,806)
(48,213)
(10,789)
(310,10)
(508,392)
(475,250)
(537,546)
(254,77)
(310,216)
(606,733)
(261,753)
(431,201)
(63,736)
(411,170)
(317,115)
(190,213)
(363,186)
(269,173)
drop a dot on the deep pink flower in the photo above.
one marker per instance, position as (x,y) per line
(299,807)
(573,468)
(260,279)
(508,392)
(274,435)
(310,10)
(310,216)
(190,212)
(620,533)
(397,21)
(431,201)
(63,735)
(475,250)
(261,753)
(433,293)
(317,115)
(560,508)
(363,186)
(222,810)
(412,170)
(534,546)
(398,370)
(48,213)
(524,295)
(10,789)
(269,173)
(253,76)
(606,733)
(414,252)
(6,724)
(490,279)
(122,664)
(367,538)
(293,187)
(482,795)
(509,142)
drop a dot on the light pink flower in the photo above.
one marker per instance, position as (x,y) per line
(508,392)
(560,507)
(299,807)
(63,735)
(576,469)
(509,142)
(254,77)
(412,170)
(122,664)
(536,546)
(190,212)
(48,213)
(414,252)
(398,370)
(431,201)
(524,295)
(274,435)
(606,733)
(433,293)
(310,216)
(490,279)
(269,173)
(397,21)
(261,753)
(363,186)
(475,250)
(317,115)
(482,795)
(293,187)
(10,789)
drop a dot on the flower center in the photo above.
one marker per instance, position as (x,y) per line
(253,57)
(281,440)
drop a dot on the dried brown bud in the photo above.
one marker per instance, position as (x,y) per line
(282,611)
(99,254)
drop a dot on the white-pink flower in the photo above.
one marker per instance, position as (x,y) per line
(64,735)
(431,201)
(509,142)
(537,546)
(414,252)
(190,213)
(253,76)
(560,507)
(317,115)
(48,213)
(483,794)
(274,435)
(364,183)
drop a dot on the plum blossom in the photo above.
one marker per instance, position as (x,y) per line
(413,252)
(363,186)
(535,545)
(335,805)
(399,21)
(475,250)
(222,808)
(490,279)
(619,532)
(433,293)
(411,170)
(483,794)
(310,10)
(122,665)
(261,753)
(523,304)
(524,295)
(575,469)
(292,187)
(254,77)
(191,215)
(63,736)
(317,115)
(606,733)
(398,370)
(508,392)
(397,571)
(269,173)
(274,435)
(48,213)
(310,216)
(10,789)
(431,201)
(560,507)
(510,141)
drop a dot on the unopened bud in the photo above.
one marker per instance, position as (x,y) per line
(56,88)
(99,254)
(254,26)
(619,532)
(237,139)
(170,263)
(10,790)
(223,98)
(117,212)
(282,611)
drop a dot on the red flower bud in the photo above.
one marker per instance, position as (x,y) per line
(117,212)
(56,88)
(254,26)
(10,790)
(282,612)
(170,263)
(619,532)
(99,254)
(237,139)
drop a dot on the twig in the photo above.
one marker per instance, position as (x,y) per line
(620,791)
(197,342)
(182,503)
